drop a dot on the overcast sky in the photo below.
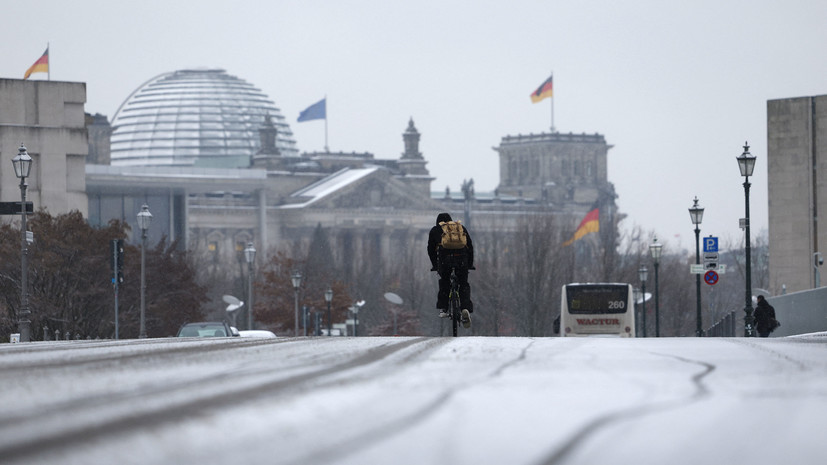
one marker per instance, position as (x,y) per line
(675,87)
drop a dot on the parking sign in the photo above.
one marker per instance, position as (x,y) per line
(710,244)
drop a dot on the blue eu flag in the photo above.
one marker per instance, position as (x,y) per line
(316,111)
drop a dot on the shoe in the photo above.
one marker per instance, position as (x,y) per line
(444,313)
(466,319)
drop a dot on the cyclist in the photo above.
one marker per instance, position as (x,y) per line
(442,260)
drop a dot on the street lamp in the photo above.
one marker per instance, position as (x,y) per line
(697,214)
(636,294)
(144,219)
(22,167)
(656,248)
(746,162)
(643,273)
(355,309)
(297,281)
(250,256)
(328,297)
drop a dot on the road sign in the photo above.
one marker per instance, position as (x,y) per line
(13,208)
(711,277)
(710,244)
(711,260)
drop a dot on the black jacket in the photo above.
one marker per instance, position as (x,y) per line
(763,313)
(435,237)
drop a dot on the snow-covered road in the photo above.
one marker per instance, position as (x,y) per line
(415,401)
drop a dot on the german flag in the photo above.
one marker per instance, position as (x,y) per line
(39,66)
(544,91)
(591,223)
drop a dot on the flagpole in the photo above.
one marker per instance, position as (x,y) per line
(552,103)
(326,149)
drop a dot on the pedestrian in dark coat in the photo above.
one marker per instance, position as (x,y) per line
(765,321)
(442,260)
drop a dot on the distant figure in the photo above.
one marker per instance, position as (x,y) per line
(765,321)
(443,260)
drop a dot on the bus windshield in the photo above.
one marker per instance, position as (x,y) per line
(597,299)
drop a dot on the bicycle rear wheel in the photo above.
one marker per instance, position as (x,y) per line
(454,304)
(456,311)
(455,317)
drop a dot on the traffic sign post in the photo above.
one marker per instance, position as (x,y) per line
(711,254)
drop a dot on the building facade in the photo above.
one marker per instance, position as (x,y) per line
(797,189)
(48,118)
(566,170)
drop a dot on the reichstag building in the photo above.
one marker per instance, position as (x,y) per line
(217,163)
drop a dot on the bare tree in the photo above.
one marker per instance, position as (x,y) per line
(70,281)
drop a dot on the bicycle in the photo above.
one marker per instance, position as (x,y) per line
(454,303)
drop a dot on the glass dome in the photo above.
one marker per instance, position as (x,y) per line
(195,117)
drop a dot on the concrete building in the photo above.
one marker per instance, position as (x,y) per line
(797,163)
(48,118)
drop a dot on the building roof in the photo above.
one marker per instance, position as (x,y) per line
(195,117)
(329,185)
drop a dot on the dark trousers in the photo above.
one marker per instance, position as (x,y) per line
(458,262)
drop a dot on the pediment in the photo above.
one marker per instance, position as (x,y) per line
(378,189)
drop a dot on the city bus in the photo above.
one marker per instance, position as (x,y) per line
(597,309)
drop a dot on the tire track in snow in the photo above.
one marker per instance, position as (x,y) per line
(801,366)
(121,416)
(174,349)
(347,447)
(581,436)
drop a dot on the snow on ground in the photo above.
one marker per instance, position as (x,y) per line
(416,400)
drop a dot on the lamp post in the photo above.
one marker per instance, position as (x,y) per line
(746,162)
(643,273)
(328,297)
(656,249)
(297,281)
(22,167)
(636,294)
(250,256)
(144,219)
(697,215)
(355,309)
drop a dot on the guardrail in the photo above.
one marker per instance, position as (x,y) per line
(725,327)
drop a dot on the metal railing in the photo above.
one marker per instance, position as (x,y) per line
(725,327)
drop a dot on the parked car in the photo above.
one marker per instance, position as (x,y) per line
(206,329)
(257,333)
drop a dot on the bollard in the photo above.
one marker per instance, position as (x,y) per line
(68,336)
(45,333)
(57,335)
